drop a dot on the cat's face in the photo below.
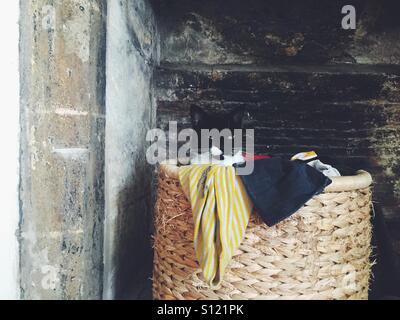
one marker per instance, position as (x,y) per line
(204,120)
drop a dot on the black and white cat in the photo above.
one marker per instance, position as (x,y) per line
(201,119)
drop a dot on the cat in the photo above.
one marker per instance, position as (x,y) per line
(201,119)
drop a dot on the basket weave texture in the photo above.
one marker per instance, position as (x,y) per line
(320,252)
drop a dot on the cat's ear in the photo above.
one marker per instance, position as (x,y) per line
(237,116)
(197,115)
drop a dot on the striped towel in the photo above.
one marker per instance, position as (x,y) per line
(221,211)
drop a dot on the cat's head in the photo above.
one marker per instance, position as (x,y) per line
(201,119)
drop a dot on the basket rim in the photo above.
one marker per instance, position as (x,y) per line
(361,180)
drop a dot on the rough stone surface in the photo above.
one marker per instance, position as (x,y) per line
(62,162)
(283,31)
(132,50)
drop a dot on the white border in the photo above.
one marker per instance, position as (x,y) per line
(9,146)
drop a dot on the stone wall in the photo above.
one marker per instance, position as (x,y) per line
(132,51)
(80,172)
(62,148)
(277,31)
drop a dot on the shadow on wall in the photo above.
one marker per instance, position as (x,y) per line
(132,47)
(134,258)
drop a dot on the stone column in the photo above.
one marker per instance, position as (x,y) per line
(62,162)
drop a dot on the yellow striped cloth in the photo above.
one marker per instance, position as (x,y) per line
(221,211)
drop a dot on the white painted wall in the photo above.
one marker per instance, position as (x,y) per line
(9,146)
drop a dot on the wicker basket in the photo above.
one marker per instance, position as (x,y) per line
(321,252)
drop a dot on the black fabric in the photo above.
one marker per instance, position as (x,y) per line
(279,187)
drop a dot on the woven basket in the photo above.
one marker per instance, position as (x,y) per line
(320,252)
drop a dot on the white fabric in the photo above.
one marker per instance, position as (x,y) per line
(326,169)
(209,157)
